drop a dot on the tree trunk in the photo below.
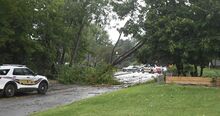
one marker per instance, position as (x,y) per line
(76,45)
(128,53)
(62,61)
(178,70)
(88,59)
(215,63)
(113,50)
(58,55)
(201,71)
(195,71)
(95,63)
(124,56)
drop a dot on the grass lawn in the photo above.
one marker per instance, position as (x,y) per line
(146,100)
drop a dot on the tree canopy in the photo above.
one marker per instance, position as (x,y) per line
(44,33)
(174,31)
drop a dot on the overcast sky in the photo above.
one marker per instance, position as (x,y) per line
(112,29)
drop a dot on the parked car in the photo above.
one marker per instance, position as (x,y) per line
(19,78)
(148,69)
(130,69)
(154,69)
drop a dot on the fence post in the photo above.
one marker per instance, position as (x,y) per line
(214,82)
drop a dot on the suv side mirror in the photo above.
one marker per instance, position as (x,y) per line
(35,74)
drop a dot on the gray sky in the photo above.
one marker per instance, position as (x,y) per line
(112,29)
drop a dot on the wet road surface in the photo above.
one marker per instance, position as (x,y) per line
(26,103)
(58,94)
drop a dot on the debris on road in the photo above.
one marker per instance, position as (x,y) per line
(130,78)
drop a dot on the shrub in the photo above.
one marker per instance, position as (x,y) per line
(172,70)
(214,72)
(188,69)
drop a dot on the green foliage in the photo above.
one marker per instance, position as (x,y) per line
(43,33)
(146,100)
(122,47)
(98,45)
(188,69)
(212,72)
(123,8)
(46,32)
(86,75)
(16,45)
(181,33)
(172,71)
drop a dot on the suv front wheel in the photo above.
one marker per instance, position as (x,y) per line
(42,89)
(9,90)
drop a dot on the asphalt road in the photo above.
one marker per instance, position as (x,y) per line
(26,103)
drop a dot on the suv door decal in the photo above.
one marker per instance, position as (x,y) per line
(27,82)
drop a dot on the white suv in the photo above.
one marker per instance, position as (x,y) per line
(19,78)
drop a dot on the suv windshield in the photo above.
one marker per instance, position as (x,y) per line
(4,71)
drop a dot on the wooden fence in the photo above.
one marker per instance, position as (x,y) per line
(194,81)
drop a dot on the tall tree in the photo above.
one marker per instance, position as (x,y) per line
(80,15)
(183,30)
(16,44)
(130,10)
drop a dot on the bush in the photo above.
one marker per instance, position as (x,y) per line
(188,69)
(214,72)
(171,70)
(102,74)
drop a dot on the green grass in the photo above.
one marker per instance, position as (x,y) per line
(211,72)
(146,100)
